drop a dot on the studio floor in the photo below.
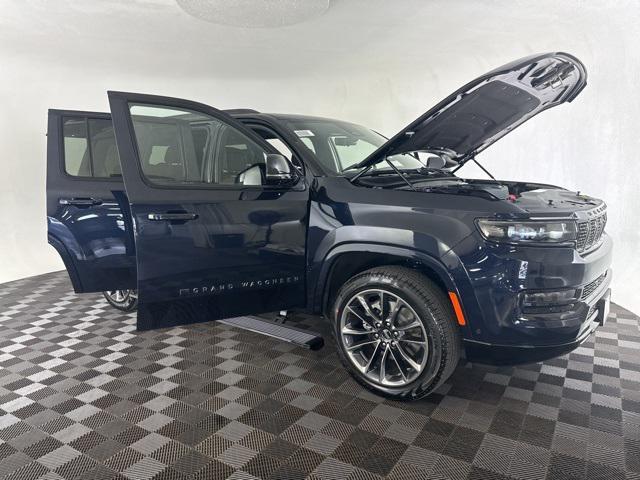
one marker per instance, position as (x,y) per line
(83,395)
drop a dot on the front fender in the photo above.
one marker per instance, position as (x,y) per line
(446,266)
(392,237)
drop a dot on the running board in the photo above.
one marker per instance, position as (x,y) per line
(297,336)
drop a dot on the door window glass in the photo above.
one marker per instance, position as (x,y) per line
(77,161)
(281,147)
(90,148)
(239,154)
(276,142)
(104,151)
(178,147)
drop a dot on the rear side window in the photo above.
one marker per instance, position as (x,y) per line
(90,148)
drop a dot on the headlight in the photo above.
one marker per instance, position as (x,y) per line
(532,232)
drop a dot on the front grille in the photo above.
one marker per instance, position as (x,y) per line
(590,231)
(589,288)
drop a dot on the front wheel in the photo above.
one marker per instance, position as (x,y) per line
(125,300)
(396,332)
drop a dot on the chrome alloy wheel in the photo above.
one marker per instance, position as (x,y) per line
(384,338)
(120,296)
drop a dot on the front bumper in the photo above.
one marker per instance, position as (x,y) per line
(500,329)
(498,354)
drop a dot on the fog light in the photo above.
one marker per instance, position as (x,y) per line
(549,301)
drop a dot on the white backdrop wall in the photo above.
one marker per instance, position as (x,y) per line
(372,62)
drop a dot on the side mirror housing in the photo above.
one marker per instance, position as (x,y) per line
(278,170)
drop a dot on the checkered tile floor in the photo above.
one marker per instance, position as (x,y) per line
(83,395)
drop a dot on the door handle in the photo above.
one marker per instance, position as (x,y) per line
(158,217)
(80,202)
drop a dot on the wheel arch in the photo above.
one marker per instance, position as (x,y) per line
(68,262)
(346,260)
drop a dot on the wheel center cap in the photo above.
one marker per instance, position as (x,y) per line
(386,334)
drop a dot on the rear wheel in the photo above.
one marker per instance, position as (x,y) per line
(396,332)
(125,300)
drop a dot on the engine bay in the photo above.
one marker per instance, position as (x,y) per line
(533,197)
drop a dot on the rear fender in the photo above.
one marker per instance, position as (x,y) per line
(67,259)
(61,234)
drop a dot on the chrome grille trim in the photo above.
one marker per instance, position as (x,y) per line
(591,287)
(590,231)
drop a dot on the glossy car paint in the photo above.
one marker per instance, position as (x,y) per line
(244,250)
(437,232)
(342,227)
(87,219)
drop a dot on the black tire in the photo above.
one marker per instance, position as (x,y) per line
(125,300)
(434,311)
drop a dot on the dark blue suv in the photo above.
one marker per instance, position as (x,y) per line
(199,214)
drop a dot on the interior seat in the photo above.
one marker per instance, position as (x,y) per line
(171,167)
(112,162)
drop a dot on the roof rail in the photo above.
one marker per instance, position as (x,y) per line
(239,111)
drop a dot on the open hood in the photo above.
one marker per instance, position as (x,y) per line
(484,110)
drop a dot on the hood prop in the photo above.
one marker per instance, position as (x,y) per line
(393,167)
(473,159)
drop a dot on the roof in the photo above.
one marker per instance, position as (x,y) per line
(285,117)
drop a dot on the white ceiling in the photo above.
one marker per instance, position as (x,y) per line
(340,37)
(255,13)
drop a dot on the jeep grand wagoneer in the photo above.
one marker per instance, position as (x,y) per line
(199,214)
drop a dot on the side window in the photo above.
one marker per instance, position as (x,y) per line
(104,151)
(77,161)
(90,148)
(161,153)
(281,147)
(182,147)
(276,142)
(237,154)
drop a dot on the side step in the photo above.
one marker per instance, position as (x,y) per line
(297,336)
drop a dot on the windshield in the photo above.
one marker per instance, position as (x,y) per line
(340,145)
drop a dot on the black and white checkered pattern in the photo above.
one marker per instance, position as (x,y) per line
(83,395)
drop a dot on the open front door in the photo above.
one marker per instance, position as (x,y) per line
(213,238)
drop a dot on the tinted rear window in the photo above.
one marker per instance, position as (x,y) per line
(90,148)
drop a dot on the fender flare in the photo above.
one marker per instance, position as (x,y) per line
(321,292)
(68,262)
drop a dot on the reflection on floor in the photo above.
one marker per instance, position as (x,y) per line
(83,395)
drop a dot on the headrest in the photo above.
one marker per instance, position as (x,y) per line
(171,155)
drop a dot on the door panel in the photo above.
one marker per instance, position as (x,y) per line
(207,246)
(87,210)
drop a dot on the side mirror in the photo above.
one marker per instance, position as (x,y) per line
(279,170)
